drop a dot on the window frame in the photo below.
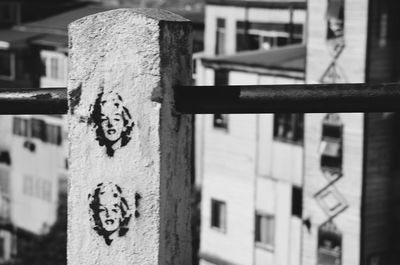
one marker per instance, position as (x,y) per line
(295,124)
(12,61)
(258,240)
(222,215)
(55,64)
(297,206)
(220,33)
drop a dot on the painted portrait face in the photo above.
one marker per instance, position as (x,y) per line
(110,213)
(112,122)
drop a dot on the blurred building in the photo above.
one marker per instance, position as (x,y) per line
(32,163)
(298,188)
(14,12)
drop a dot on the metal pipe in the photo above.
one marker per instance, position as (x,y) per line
(233,99)
(289,98)
(33,101)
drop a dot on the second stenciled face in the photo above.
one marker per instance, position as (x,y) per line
(110,213)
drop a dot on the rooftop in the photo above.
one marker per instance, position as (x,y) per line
(289,59)
(59,24)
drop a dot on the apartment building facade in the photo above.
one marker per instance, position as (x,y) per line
(299,188)
(32,165)
(248,216)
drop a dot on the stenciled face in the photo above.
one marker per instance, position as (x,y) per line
(109,210)
(112,122)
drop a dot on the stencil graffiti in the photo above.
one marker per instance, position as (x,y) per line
(110,212)
(112,121)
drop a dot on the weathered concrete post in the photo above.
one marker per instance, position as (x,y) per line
(130,151)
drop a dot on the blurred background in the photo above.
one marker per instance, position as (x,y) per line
(282,189)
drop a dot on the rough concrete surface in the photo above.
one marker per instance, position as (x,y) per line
(129,199)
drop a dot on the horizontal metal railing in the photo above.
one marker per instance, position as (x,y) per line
(233,99)
(33,101)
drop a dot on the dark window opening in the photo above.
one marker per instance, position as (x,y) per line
(6,64)
(220,121)
(4,182)
(21,127)
(221,77)
(39,129)
(220,37)
(5,157)
(289,127)
(265,230)
(218,215)
(2,248)
(254,36)
(297,201)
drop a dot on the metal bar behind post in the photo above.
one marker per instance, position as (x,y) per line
(33,101)
(233,99)
(289,98)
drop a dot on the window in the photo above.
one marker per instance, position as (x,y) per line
(2,253)
(329,244)
(220,121)
(21,127)
(383,29)
(253,36)
(335,19)
(220,37)
(221,77)
(54,134)
(4,182)
(331,144)
(55,65)
(46,185)
(37,187)
(289,127)
(297,201)
(28,185)
(7,65)
(54,68)
(5,157)
(218,215)
(39,129)
(265,230)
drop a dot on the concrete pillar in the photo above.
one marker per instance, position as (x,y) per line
(130,151)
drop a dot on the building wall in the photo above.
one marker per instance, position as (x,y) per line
(349,187)
(31,210)
(351,64)
(383,54)
(229,158)
(232,14)
(379,164)
(248,170)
